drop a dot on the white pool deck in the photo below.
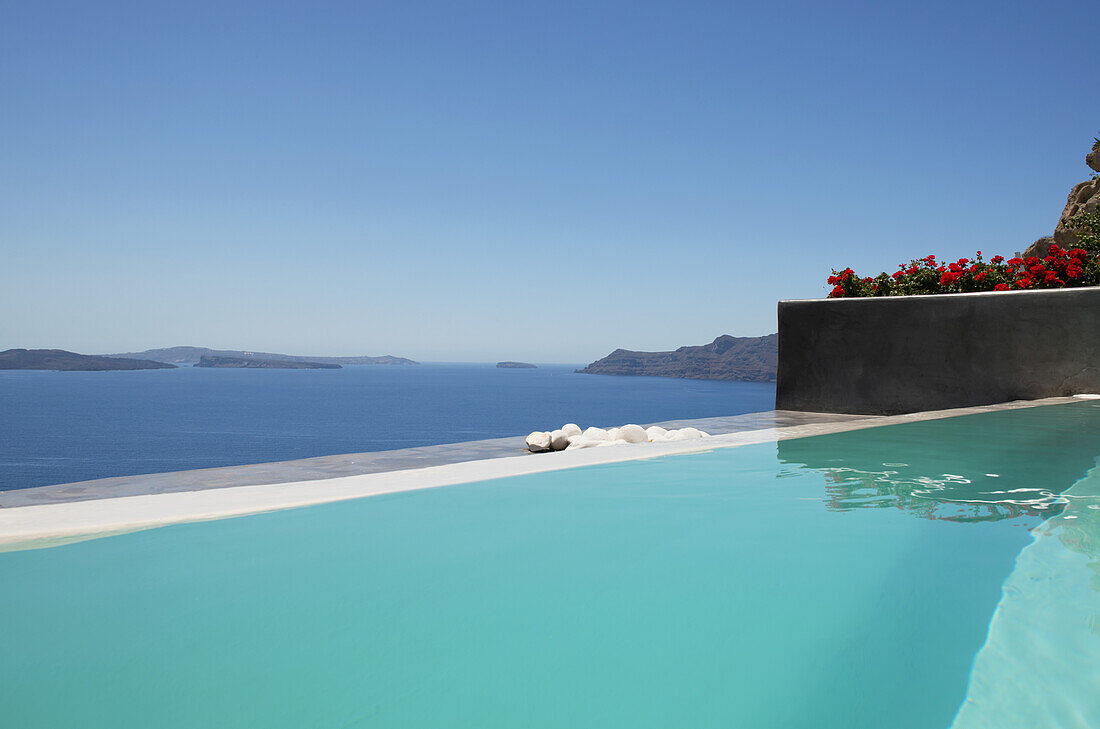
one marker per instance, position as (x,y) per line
(71,512)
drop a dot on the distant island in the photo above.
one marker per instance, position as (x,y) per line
(263,364)
(60,360)
(192,355)
(749,359)
(516,365)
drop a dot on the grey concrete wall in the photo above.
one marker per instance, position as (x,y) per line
(902,354)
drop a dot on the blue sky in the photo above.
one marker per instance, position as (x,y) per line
(536,181)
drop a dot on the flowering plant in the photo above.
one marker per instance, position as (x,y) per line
(1059,268)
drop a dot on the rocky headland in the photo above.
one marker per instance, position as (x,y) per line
(63,361)
(749,359)
(263,364)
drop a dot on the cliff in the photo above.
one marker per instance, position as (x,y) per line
(263,364)
(59,359)
(750,359)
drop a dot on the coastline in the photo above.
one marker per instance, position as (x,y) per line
(50,524)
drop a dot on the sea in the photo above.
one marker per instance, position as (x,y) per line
(60,427)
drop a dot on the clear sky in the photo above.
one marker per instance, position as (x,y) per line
(535,181)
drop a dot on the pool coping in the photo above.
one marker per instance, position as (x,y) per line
(50,524)
(355,464)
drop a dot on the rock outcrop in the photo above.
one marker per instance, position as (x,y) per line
(1083,198)
(751,359)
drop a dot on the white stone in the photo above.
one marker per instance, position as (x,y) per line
(538,442)
(633,434)
(685,434)
(570,436)
(594,433)
(579,441)
(656,433)
(559,441)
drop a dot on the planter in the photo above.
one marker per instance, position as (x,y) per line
(885,356)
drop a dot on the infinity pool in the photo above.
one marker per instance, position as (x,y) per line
(934,574)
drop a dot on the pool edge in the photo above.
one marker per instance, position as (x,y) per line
(44,525)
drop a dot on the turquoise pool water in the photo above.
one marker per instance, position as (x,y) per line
(934,574)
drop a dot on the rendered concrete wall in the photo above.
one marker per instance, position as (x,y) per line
(902,354)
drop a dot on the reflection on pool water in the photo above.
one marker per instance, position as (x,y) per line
(877,578)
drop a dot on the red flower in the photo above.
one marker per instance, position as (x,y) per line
(1059,267)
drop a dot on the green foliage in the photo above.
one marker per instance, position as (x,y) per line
(1086,226)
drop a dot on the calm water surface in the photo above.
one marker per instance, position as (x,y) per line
(927,575)
(57,427)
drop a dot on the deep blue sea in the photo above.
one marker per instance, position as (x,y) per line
(57,427)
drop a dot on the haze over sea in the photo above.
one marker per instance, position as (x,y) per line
(58,427)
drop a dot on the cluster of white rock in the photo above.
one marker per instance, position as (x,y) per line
(570,436)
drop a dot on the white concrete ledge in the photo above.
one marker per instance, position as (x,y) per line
(43,525)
